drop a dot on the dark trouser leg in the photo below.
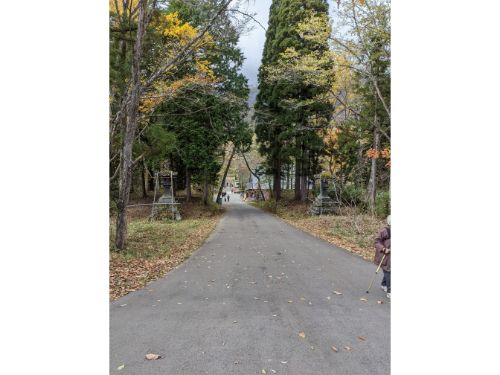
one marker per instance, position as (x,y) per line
(384,281)
(387,279)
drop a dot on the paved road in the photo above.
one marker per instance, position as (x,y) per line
(238,305)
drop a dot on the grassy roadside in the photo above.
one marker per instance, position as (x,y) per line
(155,247)
(350,230)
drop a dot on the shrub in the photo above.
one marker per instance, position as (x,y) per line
(269,205)
(350,195)
(315,190)
(383,204)
(113,208)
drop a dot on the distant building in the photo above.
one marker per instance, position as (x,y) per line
(252,189)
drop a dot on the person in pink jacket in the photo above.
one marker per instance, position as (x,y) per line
(383,246)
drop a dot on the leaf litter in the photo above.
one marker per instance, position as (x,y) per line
(132,271)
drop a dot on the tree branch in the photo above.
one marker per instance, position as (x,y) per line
(360,115)
(249,16)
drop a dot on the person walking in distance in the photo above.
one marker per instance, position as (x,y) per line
(383,248)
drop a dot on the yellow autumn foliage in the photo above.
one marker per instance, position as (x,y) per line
(178,34)
(164,90)
(171,26)
(331,136)
(120,7)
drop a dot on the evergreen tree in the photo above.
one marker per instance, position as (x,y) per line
(285,132)
(207,115)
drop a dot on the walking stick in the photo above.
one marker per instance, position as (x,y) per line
(376,272)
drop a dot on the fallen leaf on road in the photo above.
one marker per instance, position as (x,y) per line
(152,357)
(235,321)
(290,301)
(120,367)
(273,371)
(380,302)
(284,362)
(123,305)
(334,349)
(338,293)
(362,338)
(256,298)
(179,303)
(347,348)
(302,334)
(302,299)
(263,371)
(328,297)
(363,299)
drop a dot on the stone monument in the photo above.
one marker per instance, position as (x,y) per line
(167,204)
(323,204)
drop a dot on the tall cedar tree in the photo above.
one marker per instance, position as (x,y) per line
(283,133)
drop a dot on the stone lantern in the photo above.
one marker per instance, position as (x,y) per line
(167,202)
(323,204)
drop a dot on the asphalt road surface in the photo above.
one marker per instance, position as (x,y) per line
(257,298)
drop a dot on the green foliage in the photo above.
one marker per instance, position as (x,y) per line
(351,195)
(160,143)
(287,110)
(270,205)
(315,190)
(203,117)
(383,204)
(112,206)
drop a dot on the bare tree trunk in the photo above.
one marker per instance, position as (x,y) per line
(205,188)
(288,178)
(372,183)
(151,180)
(277,179)
(297,180)
(188,185)
(303,188)
(132,111)
(143,180)
(304,181)
(225,175)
